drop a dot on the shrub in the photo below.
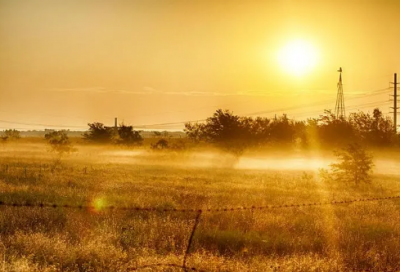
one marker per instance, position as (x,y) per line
(160,145)
(98,133)
(59,142)
(10,134)
(354,164)
(128,136)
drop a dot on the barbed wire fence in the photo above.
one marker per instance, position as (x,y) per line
(198,212)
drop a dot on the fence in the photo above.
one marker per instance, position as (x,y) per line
(198,213)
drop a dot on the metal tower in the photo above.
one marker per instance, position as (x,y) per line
(339,108)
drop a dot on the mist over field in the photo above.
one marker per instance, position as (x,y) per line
(321,238)
(201,135)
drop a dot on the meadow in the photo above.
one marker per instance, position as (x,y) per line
(357,236)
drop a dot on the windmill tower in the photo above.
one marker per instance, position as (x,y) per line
(339,108)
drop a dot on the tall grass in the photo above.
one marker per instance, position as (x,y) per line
(329,238)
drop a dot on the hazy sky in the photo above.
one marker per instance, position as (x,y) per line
(70,62)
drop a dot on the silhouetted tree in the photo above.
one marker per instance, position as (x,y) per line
(334,131)
(11,134)
(235,133)
(127,136)
(375,129)
(259,128)
(354,164)
(282,130)
(224,130)
(59,142)
(98,133)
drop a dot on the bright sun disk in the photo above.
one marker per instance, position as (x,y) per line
(297,57)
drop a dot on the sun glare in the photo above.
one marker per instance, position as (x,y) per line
(297,57)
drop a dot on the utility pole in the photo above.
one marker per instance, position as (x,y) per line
(395,102)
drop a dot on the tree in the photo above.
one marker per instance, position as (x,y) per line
(333,131)
(59,142)
(354,164)
(282,130)
(224,130)
(375,129)
(98,133)
(127,136)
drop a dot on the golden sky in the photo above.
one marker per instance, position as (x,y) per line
(67,63)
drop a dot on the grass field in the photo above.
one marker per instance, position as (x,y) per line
(357,236)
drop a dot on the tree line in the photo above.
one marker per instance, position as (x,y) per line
(123,134)
(236,133)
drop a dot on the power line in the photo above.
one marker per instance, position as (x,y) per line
(349,108)
(371,93)
(37,124)
(315,104)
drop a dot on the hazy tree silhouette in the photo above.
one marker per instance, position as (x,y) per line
(11,134)
(59,142)
(375,129)
(354,164)
(333,131)
(235,133)
(98,133)
(223,129)
(160,144)
(127,136)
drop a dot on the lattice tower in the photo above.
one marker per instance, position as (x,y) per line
(340,111)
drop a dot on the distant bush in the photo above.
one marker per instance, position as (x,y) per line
(172,145)
(354,164)
(10,134)
(59,142)
(122,135)
(127,136)
(99,133)
(160,145)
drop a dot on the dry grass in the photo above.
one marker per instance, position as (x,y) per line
(329,238)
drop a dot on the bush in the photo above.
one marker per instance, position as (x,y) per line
(160,145)
(98,133)
(59,142)
(354,164)
(127,136)
(10,134)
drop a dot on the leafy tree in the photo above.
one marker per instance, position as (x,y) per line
(98,133)
(235,133)
(127,136)
(59,142)
(354,164)
(224,130)
(333,131)
(375,129)
(282,130)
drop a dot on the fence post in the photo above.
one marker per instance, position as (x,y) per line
(196,223)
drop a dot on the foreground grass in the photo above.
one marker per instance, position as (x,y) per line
(327,238)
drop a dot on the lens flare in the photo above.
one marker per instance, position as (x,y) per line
(98,204)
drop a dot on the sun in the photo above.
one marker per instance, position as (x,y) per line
(297,57)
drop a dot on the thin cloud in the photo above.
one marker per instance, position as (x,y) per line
(147,90)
